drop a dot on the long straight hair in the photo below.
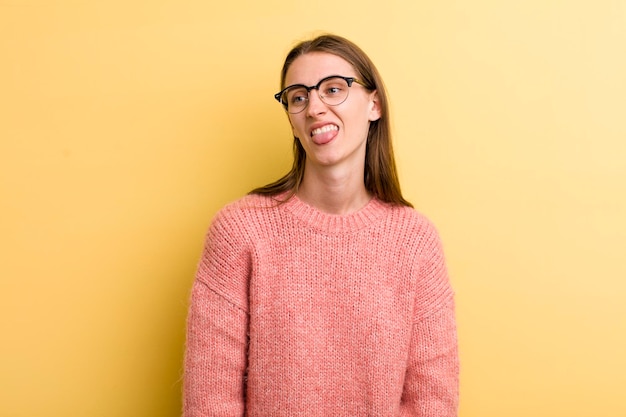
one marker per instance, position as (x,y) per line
(380,175)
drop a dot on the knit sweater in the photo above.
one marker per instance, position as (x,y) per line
(296,312)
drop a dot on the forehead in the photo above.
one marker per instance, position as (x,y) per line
(309,68)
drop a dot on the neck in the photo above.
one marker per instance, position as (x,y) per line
(333,191)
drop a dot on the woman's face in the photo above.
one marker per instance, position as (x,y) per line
(332,135)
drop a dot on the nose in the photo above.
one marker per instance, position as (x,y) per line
(315,105)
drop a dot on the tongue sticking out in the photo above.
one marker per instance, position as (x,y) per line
(324,135)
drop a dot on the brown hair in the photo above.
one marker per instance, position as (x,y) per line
(380,176)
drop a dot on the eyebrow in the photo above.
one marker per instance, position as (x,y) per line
(323,78)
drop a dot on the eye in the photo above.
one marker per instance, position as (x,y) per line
(333,89)
(297,96)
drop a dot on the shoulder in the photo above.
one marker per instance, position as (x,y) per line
(413,232)
(247,213)
(248,205)
(412,223)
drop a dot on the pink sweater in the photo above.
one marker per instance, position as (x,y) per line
(295,312)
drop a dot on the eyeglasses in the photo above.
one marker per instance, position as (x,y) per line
(331,90)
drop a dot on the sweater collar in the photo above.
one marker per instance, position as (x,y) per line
(335,223)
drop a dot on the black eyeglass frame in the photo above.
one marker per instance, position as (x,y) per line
(348,80)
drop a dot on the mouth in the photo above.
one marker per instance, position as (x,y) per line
(324,129)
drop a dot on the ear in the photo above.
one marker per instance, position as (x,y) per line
(374,111)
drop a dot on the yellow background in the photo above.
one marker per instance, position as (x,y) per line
(125,125)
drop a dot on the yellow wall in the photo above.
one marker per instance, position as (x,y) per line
(125,125)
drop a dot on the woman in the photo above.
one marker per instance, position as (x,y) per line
(324,293)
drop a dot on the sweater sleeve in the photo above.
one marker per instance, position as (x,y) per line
(431,381)
(217,326)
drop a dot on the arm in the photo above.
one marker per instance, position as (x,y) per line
(431,387)
(431,381)
(217,325)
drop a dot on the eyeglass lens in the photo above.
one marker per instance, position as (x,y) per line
(332,91)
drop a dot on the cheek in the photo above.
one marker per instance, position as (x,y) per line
(360,120)
(296,126)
